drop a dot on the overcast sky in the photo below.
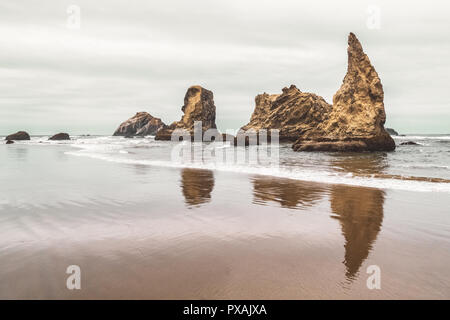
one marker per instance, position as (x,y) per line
(131,55)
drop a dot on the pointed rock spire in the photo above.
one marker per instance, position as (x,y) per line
(198,106)
(356,121)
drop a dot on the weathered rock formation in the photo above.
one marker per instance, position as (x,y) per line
(292,112)
(392,132)
(141,124)
(9,142)
(356,121)
(198,106)
(21,135)
(60,136)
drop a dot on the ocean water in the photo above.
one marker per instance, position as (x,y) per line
(423,167)
(142,226)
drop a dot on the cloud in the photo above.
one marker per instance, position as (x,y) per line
(134,55)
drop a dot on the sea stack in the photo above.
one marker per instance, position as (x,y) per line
(141,124)
(356,121)
(60,136)
(292,112)
(198,106)
(21,135)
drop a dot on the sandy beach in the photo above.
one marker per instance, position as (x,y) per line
(145,232)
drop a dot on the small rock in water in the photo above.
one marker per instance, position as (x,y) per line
(21,135)
(408,143)
(141,124)
(60,136)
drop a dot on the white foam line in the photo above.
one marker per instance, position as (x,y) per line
(320,177)
(422,137)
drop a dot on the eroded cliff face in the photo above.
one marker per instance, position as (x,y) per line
(357,117)
(198,106)
(292,112)
(141,124)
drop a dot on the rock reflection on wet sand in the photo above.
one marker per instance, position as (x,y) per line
(288,193)
(197,186)
(360,213)
(199,234)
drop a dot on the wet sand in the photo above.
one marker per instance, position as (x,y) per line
(140,232)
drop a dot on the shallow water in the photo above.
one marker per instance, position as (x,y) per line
(422,167)
(140,226)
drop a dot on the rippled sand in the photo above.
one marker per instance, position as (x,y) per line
(141,231)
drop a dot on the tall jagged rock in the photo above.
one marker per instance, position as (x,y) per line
(356,121)
(292,112)
(198,106)
(141,124)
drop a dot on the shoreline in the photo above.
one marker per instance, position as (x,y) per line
(369,180)
(150,232)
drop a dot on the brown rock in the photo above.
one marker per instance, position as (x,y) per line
(356,121)
(60,136)
(21,135)
(408,143)
(392,132)
(292,112)
(9,142)
(198,106)
(141,124)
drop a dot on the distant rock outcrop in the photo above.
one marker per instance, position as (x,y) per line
(141,124)
(9,142)
(198,106)
(60,136)
(408,143)
(356,120)
(21,135)
(292,112)
(392,132)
